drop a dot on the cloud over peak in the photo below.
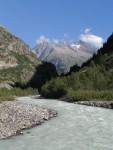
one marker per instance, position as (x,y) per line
(91,39)
(87,30)
(87,37)
(56,41)
(42,39)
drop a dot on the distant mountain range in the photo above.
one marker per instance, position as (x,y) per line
(18,63)
(64,55)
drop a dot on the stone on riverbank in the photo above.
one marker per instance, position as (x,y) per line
(104,104)
(16,116)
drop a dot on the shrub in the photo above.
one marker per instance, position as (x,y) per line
(55,89)
(6,94)
(83,95)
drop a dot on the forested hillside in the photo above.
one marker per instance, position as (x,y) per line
(94,80)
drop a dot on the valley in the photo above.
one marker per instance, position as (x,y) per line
(87,81)
(56,75)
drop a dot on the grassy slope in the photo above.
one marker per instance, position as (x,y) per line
(7,95)
(14,51)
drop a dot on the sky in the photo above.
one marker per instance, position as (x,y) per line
(35,21)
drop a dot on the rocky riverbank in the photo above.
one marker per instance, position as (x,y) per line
(104,104)
(94,103)
(16,116)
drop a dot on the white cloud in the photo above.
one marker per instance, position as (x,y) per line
(56,41)
(42,39)
(87,30)
(91,39)
(86,37)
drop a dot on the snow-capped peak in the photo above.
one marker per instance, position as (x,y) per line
(75,45)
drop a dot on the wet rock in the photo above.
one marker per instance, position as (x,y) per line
(28,132)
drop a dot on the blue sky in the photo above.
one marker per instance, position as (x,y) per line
(57,19)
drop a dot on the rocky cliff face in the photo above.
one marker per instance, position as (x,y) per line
(64,55)
(17,61)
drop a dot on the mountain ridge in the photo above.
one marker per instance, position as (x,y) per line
(17,61)
(64,55)
(92,81)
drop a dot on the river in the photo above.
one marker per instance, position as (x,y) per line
(77,127)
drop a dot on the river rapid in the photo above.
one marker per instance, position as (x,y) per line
(77,127)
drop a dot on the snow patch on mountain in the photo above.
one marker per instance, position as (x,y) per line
(75,45)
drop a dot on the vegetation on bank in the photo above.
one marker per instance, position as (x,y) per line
(44,72)
(6,95)
(58,88)
(89,95)
(94,80)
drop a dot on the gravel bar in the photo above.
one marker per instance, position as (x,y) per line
(16,116)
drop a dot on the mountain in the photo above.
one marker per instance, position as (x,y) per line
(93,81)
(64,55)
(17,61)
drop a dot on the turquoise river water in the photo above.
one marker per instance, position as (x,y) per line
(77,127)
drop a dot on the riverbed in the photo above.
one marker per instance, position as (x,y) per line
(77,127)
